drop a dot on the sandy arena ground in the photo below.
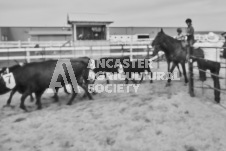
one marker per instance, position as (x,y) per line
(157,118)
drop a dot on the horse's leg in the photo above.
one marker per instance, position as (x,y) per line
(171,70)
(184,72)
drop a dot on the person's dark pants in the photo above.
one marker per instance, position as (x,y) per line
(214,67)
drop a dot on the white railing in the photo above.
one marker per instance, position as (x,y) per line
(73,52)
(31,44)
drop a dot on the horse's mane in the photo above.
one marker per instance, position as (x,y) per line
(170,43)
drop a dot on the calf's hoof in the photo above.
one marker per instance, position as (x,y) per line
(32,99)
(168,84)
(23,108)
(39,107)
(217,100)
(69,103)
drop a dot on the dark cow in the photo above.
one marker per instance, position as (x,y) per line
(108,64)
(137,66)
(14,90)
(36,78)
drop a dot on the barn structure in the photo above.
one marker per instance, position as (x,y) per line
(90,28)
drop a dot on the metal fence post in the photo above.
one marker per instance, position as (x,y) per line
(190,66)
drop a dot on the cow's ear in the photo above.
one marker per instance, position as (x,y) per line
(162,30)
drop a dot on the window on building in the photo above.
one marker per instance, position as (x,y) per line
(91,33)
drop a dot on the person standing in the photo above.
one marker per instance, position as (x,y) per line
(224,52)
(190,39)
(190,32)
(180,36)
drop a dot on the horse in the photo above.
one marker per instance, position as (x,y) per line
(168,60)
(204,65)
(174,52)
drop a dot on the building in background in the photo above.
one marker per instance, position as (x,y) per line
(90,28)
(82,33)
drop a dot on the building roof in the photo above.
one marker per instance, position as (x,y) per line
(89,17)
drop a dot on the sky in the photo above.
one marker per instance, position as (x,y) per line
(206,14)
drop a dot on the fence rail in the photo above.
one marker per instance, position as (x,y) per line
(9,54)
(31,44)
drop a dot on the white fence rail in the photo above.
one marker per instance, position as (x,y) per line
(31,44)
(8,54)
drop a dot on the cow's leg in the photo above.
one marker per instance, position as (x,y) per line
(105,74)
(171,70)
(126,80)
(141,80)
(151,74)
(184,72)
(85,87)
(31,98)
(86,91)
(72,97)
(10,97)
(178,67)
(24,96)
(38,99)
(132,79)
(65,90)
(168,66)
(55,96)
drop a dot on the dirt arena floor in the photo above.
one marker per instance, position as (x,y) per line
(157,118)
